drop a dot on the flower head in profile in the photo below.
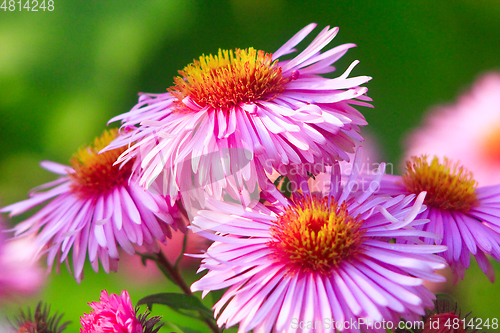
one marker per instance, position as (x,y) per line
(467,131)
(40,321)
(231,116)
(114,313)
(463,215)
(317,256)
(446,317)
(93,206)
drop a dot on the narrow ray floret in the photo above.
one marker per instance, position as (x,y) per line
(92,207)
(231,117)
(462,215)
(320,260)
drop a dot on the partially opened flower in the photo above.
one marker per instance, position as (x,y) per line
(446,317)
(317,258)
(40,321)
(230,116)
(464,217)
(92,207)
(467,131)
(114,313)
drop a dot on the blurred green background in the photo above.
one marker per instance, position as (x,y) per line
(64,73)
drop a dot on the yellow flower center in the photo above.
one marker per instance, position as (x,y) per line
(448,186)
(314,236)
(95,173)
(229,78)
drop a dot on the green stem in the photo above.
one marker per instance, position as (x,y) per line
(172,272)
(184,245)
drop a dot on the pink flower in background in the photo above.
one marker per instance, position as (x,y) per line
(92,207)
(468,131)
(113,314)
(20,273)
(464,217)
(229,117)
(317,257)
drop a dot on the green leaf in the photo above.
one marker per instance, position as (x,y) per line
(177,302)
(278,181)
(284,186)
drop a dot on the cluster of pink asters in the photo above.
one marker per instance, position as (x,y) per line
(229,121)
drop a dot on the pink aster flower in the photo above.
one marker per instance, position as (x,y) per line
(231,116)
(317,258)
(466,218)
(20,274)
(92,207)
(468,131)
(115,314)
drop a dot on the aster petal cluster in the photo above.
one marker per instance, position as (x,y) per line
(94,207)
(316,257)
(463,216)
(114,313)
(233,116)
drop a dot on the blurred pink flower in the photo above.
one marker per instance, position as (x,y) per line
(20,274)
(468,131)
(113,314)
